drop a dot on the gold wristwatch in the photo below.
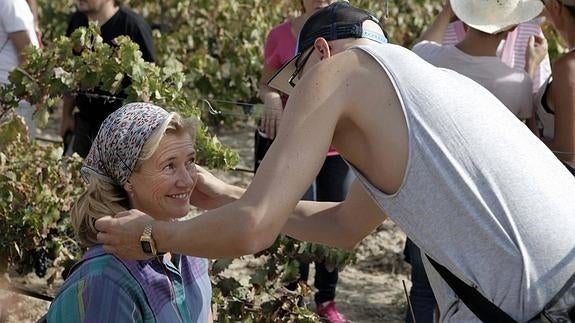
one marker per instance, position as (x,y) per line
(147,241)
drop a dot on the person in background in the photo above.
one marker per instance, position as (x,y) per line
(114,21)
(475,56)
(143,157)
(332,181)
(17,31)
(555,101)
(512,49)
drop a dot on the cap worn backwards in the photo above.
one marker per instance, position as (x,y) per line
(339,20)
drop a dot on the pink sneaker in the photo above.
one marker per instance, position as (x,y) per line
(329,313)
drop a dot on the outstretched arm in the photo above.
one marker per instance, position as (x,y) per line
(336,224)
(251,223)
(328,223)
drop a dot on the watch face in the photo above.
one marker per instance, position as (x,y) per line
(146,246)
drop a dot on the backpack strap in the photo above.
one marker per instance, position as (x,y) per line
(485,310)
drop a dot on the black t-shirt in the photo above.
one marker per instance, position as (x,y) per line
(124,22)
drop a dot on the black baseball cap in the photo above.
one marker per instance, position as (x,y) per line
(339,20)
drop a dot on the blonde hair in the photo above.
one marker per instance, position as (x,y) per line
(102,198)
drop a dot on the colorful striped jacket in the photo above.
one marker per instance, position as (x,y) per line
(104,288)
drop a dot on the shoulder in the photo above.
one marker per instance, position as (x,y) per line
(89,290)
(344,79)
(564,68)
(426,45)
(100,297)
(280,31)
(282,28)
(99,270)
(77,20)
(132,18)
(433,52)
(96,265)
(341,66)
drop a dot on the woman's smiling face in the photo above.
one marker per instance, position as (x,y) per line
(163,183)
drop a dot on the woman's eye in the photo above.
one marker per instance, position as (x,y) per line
(168,167)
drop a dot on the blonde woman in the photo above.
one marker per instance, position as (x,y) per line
(142,158)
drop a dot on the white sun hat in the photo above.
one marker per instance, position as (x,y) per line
(493,16)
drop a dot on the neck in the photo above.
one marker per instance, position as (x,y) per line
(103,15)
(477,43)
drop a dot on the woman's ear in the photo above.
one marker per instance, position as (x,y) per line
(128,187)
(322,47)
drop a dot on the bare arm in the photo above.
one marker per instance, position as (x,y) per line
(336,224)
(20,39)
(435,32)
(34,8)
(252,223)
(535,53)
(322,222)
(562,96)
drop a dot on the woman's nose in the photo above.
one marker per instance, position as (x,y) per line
(187,176)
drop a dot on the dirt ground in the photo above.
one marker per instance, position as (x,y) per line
(370,290)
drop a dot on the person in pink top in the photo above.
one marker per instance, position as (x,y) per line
(332,181)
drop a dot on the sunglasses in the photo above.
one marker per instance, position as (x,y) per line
(299,64)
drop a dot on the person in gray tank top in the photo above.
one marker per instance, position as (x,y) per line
(432,150)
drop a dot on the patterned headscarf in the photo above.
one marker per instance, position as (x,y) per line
(117,146)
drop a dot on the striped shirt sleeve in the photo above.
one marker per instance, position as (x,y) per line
(94,299)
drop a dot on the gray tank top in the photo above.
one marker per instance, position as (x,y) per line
(481,194)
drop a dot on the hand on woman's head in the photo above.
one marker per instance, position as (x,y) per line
(120,235)
(209,190)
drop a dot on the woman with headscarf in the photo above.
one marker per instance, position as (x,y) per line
(143,158)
